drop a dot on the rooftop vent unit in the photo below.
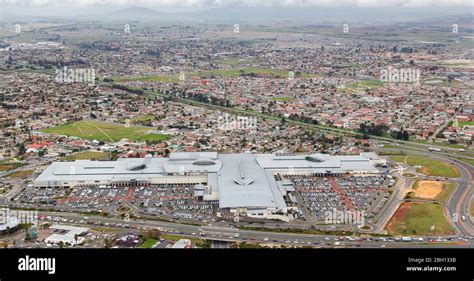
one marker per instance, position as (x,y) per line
(314,158)
(139,166)
(204,162)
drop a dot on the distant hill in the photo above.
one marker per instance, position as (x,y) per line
(136,12)
(319,14)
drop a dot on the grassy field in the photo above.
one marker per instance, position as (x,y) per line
(419,219)
(236,72)
(158,78)
(444,195)
(9,166)
(448,189)
(472,207)
(361,86)
(440,144)
(428,166)
(88,155)
(20,174)
(148,243)
(142,118)
(282,99)
(467,160)
(106,132)
(467,123)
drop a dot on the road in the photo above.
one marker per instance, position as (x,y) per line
(225,233)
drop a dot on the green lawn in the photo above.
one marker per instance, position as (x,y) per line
(9,166)
(235,72)
(106,132)
(448,189)
(467,123)
(362,85)
(157,78)
(472,207)
(148,243)
(443,196)
(429,166)
(88,155)
(440,144)
(467,160)
(142,118)
(20,174)
(418,219)
(282,99)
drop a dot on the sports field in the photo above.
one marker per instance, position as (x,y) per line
(428,166)
(419,219)
(106,132)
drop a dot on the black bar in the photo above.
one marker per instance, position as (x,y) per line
(240,264)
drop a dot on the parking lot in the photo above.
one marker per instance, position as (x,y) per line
(321,194)
(172,200)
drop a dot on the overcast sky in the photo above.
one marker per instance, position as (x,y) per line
(241,3)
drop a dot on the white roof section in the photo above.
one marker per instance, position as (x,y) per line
(318,162)
(123,169)
(192,155)
(71,230)
(69,236)
(181,244)
(255,189)
(200,165)
(370,155)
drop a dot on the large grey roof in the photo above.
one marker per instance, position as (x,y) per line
(257,194)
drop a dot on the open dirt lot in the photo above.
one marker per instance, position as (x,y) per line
(428,189)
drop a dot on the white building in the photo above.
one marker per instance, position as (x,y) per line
(68,235)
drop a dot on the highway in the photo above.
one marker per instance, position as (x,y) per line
(222,232)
